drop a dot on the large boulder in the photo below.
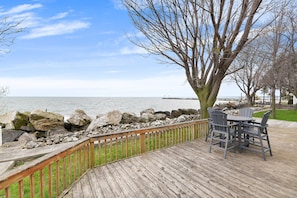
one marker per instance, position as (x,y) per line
(114,117)
(111,118)
(14,120)
(79,120)
(9,135)
(44,121)
(128,118)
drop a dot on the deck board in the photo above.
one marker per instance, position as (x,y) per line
(189,170)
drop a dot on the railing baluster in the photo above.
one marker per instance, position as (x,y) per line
(64,172)
(32,189)
(57,178)
(41,175)
(50,187)
(7,192)
(21,188)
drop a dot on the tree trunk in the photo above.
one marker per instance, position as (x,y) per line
(249,99)
(273,102)
(207,97)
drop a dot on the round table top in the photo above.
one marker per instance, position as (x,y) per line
(238,118)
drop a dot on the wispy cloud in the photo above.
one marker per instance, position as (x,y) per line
(56,29)
(132,50)
(59,16)
(21,8)
(38,26)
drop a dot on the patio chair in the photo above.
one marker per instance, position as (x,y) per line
(256,134)
(210,110)
(222,134)
(246,112)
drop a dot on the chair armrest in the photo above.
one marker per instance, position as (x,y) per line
(226,126)
(233,124)
(254,122)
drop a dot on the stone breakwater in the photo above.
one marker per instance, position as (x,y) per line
(40,128)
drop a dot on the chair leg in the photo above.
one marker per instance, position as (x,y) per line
(210,142)
(269,147)
(262,147)
(207,134)
(226,146)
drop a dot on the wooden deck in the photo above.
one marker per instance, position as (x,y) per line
(188,170)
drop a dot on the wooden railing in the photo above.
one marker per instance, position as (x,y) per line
(52,174)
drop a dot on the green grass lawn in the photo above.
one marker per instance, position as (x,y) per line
(287,115)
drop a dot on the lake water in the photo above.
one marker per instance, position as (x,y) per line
(93,106)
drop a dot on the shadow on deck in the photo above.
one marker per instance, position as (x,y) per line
(188,170)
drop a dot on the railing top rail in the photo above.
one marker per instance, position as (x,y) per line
(144,130)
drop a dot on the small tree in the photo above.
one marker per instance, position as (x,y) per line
(252,60)
(203,37)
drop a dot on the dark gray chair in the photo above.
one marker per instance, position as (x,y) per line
(246,112)
(222,133)
(210,110)
(256,134)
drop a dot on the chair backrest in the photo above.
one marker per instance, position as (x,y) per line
(265,118)
(246,112)
(210,110)
(219,117)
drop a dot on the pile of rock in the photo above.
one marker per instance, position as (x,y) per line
(40,128)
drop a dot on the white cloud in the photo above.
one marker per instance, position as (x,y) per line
(59,16)
(38,26)
(21,8)
(132,50)
(56,29)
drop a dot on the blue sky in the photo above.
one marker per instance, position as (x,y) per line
(80,48)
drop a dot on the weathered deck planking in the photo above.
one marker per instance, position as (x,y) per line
(188,170)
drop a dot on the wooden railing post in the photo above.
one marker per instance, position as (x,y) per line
(142,142)
(92,153)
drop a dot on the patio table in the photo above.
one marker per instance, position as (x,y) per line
(239,120)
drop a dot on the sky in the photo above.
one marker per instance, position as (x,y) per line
(75,48)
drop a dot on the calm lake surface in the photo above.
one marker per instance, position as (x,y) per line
(93,105)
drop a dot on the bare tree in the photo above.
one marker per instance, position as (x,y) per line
(252,59)
(203,37)
(278,44)
(8,30)
(291,59)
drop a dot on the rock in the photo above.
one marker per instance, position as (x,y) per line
(189,111)
(161,115)
(56,130)
(44,121)
(26,137)
(175,113)
(150,111)
(114,117)
(111,118)
(147,117)
(79,120)
(14,120)
(9,135)
(181,118)
(128,118)
(28,128)
(31,144)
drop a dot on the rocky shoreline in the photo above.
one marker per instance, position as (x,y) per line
(41,128)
